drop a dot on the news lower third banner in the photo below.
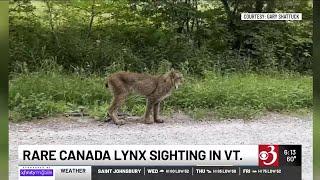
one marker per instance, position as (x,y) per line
(86,162)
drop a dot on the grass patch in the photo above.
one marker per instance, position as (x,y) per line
(225,96)
(245,95)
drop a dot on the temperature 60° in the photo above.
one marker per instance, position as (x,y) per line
(291,158)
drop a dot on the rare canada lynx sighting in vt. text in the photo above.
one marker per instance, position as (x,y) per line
(154,88)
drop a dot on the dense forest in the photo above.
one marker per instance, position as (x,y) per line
(61,51)
(191,35)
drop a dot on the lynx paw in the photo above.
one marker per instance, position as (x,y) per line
(148,121)
(159,121)
(120,122)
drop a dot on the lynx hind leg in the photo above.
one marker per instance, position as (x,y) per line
(156,110)
(148,112)
(119,97)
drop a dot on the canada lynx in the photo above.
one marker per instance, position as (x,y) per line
(154,88)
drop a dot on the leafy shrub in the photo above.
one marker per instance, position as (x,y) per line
(228,96)
(34,105)
(141,38)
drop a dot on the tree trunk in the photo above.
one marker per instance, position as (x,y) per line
(51,23)
(232,23)
(259,6)
(271,4)
(229,14)
(91,19)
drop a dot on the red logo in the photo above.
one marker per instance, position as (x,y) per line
(269,155)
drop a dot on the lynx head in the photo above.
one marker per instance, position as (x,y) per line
(176,78)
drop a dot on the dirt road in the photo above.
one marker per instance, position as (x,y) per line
(178,129)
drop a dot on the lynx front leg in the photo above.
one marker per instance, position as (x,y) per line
(156,110)
(113,110)
(147,114)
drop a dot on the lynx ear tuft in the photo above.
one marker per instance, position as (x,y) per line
(172,74)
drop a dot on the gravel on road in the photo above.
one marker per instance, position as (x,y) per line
(178,129)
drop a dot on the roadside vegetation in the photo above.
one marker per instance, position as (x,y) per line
(236,95)
(61,51)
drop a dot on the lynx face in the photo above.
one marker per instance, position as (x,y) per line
(177,78)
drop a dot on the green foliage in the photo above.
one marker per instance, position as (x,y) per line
(244,95)
(138,36)
(34,105)
(60,50)
(228,96)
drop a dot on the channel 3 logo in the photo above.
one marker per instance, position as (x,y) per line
(269,155)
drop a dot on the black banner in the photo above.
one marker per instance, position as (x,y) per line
(195,173)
